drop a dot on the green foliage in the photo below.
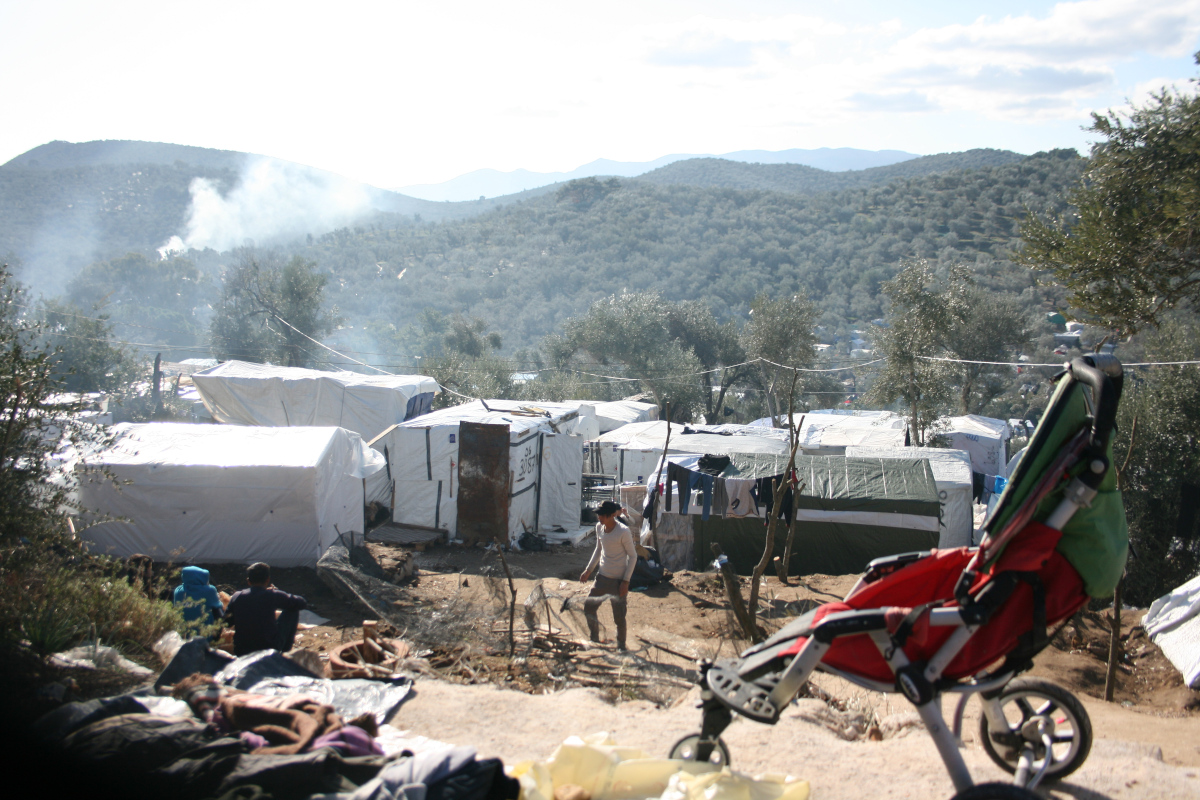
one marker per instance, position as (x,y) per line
(634,331)
(925,305)
(271,312)
(153,302)
(994,328)
(781,331)
(528,267)
(1130,249)
(800,179)
(53,599)
(1161,482)
(82,351)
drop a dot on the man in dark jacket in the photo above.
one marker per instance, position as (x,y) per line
(251,612)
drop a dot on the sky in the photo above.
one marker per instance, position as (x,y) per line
(396,93)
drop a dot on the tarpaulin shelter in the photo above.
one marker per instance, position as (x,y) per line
(242,393)
(850,511)
(483,471)
(952,474)
(1173,623)
(218,493)
(829,433)
(622,412)
(983,438)
(631,452)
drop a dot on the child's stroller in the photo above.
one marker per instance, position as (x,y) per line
(967,620)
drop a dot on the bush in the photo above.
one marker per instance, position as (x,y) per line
(54,598)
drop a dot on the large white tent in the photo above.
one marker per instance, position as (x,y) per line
(544,463)
(215,493)
(632,451)
(983,438)
(622,412)
(242,393)
(828,433)
(952,474)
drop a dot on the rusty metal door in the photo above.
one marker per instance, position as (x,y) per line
(483,475)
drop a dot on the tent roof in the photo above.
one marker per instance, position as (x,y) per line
(623,412)
(159,444)
(652,436)
(408,384)
(977,425)
(504,412)
(948,466)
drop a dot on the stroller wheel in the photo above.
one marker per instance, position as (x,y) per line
(996,791)
(688,749)
(1031,700)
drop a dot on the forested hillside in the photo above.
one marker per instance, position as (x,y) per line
(528,267)
(64,205)
(725,174)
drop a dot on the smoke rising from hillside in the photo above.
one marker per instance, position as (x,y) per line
(272,201)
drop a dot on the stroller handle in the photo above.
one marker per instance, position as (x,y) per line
(1101,373)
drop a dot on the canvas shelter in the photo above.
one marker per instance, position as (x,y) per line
(216,493)
(829,433)
(622,412)
(849,512)
(482,471)
(983,438)
(632,451)
(952,474)
(242,393)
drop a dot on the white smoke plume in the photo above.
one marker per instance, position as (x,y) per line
(272,200)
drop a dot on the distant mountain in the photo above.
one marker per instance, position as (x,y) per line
(494,183)
(63,204)
(800,179)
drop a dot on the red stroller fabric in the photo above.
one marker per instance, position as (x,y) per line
(933,579)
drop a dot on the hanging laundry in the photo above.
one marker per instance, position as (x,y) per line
(720,499)
(741,499)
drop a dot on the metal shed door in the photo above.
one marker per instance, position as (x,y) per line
(483,475)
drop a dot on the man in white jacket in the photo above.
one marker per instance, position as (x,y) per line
(616,558)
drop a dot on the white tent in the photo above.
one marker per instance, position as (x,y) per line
(1173,623)
(215,493)
(241,393)
(952,474)
(983,438)
(622,412)
(831,434)
(631,452)
(545,463)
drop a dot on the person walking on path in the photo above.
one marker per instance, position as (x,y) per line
(252,614)
(615,557)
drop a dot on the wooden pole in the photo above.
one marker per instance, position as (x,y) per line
(735,595)
(1114,645)
(658,481)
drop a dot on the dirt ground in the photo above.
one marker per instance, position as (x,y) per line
(455,617)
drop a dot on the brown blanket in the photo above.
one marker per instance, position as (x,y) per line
(291,723)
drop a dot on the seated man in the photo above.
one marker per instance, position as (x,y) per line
(197,596)
(251,612)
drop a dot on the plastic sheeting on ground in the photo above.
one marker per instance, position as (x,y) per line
(952,474)
(606,771)
(354,576)
(218,493)
(1173,623)
(270,672)
(97,656)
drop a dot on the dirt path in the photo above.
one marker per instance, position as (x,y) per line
(1147,743)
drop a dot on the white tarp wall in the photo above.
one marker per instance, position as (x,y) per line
(241,393)
(632,451)
(831,434)
(214,493)
(982,438)
(424,461)
(622,412)
(1173,623)
(952,474)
